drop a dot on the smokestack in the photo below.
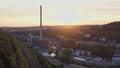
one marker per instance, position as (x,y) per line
(40,22)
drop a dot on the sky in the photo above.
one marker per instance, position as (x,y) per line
(17,13)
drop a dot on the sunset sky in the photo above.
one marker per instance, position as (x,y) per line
(58,12)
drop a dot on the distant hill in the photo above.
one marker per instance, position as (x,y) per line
(113,26)
(10,53)
(112,30)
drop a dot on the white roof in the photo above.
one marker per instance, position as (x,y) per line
(45,54)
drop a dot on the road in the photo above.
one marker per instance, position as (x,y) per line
(31,57)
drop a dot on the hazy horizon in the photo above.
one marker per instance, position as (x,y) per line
(22,13)
(55,25)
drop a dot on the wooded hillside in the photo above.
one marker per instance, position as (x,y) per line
(10,53)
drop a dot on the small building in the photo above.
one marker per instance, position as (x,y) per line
(116,58)
(48,61)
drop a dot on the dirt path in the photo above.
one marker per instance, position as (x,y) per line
(31,57)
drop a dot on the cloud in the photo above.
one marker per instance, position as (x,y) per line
(17,12)
(111,7)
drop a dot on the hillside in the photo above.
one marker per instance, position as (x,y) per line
(112,30)
(113,26)
(10,53)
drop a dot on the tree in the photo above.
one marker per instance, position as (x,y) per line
(66,55)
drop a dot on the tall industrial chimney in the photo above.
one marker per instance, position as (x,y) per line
(41,22)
